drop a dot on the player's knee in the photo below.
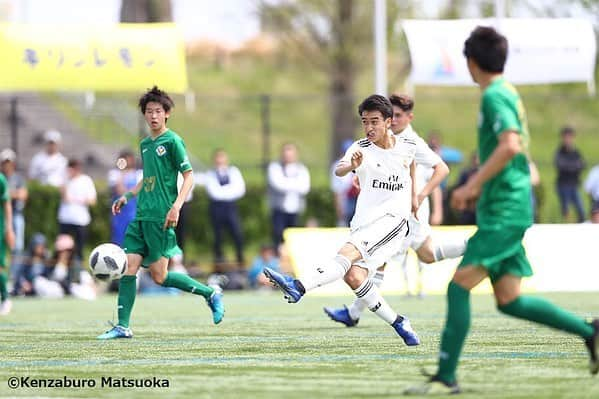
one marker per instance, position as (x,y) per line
(158,276)
(353,279)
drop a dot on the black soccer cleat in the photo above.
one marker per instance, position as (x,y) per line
(592,344)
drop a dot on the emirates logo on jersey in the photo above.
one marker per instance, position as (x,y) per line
(160,150)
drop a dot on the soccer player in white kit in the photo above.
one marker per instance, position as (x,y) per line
(384,164)
(430,172)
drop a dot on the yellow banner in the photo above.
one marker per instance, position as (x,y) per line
(124,57)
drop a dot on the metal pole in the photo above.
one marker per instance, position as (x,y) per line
(265,117)
(380,46)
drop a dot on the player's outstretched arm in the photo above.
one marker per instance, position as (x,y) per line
(440,172)
(172,217)
(122,200)
(508,147)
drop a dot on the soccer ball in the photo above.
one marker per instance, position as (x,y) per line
(108,262)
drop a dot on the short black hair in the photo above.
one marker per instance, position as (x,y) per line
(157,96)
(379,103)
(402,101)
(488,48)
(567,130)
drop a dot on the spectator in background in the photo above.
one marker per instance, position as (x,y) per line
(31,265)
(267,258)
(468,216)
(64,275)
(77,195)
(345,192)
(569,164)
(121,179)
(225,185)
(591,186)
(535,181)
(18,194)
(49,166)
(288,185)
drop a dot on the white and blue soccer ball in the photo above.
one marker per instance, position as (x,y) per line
(108,262)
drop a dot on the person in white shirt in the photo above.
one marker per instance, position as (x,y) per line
(345,192)
(225,185)
(384,164)
(78,193)
(288,185)
(591,186)
(49,165)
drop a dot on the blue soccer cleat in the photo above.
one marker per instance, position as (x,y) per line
(215,302)
(341,315)
(404,329)
(285,284)
(116,332)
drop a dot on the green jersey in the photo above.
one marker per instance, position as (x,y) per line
(506,198)
(4,196)
(163,158)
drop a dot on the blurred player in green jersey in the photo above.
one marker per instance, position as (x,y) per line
(501,187)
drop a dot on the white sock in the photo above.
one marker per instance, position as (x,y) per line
(328,272)
(358,305)
(375,302)
(450,249)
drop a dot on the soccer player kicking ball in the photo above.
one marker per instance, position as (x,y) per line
(430,172)
(504,212)
(383,164)
(150,238)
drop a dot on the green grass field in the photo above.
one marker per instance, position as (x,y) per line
(266,348)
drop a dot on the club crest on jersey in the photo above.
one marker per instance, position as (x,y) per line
(160,150)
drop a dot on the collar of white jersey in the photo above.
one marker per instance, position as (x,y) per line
(406,131)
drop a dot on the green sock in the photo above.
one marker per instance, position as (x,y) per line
(544,312)
(186,283)
(127,291)
(3,281)
(456,328)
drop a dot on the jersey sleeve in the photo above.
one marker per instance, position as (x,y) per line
(180,159)
(4,195)
(424,155)
(501,116)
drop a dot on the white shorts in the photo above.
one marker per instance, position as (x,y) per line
(379,240)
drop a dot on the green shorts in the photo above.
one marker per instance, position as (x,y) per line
(151,241)
(499,251)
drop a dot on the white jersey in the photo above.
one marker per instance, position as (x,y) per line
(426,160)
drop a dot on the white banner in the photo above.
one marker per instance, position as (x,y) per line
(561,257)
(541,51)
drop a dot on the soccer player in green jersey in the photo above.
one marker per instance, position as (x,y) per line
(7,242)
(150,240)
(503,213)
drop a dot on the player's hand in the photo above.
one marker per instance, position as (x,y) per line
(436,218)
(356,159)
(416,201)
(464,197)
(118,204)
(9,237)
(172,218)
